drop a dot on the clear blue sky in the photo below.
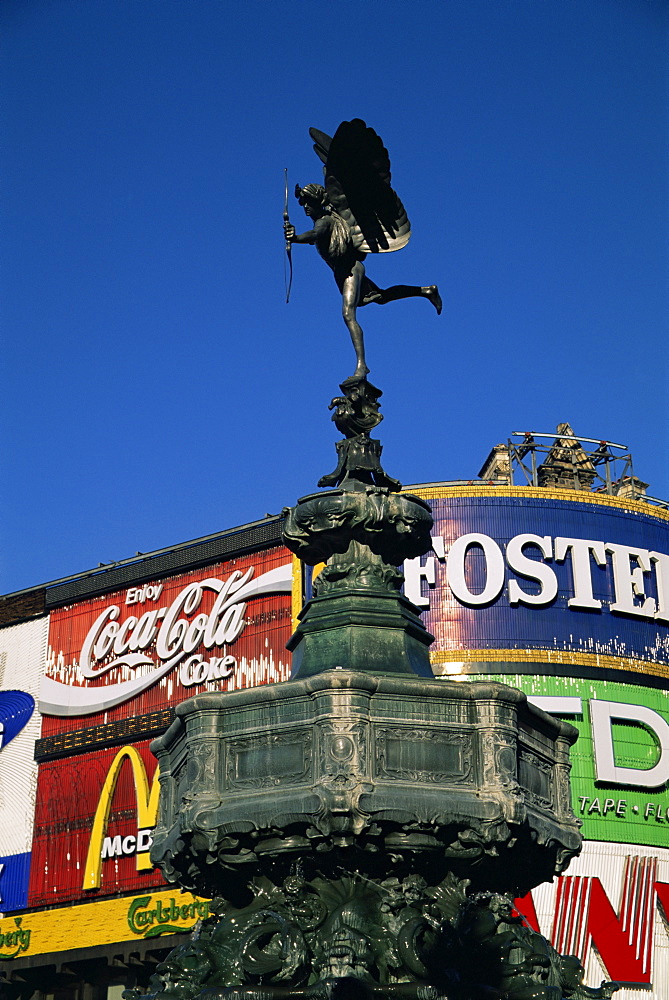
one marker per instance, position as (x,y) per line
(156,387)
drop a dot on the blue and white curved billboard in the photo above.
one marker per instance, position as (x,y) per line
(544,575)
(22,658)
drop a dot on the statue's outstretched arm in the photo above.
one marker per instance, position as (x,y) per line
(293,237)
(320,235)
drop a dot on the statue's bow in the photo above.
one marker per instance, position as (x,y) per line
(288,282)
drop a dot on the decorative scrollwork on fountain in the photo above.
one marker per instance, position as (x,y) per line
(369,533)
(389,938)
(488,950)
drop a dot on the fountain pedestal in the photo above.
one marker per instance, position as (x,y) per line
(363,828)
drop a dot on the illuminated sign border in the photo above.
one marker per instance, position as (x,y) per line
(442,492)
(445,662)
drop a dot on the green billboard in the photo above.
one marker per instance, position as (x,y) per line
(620,762)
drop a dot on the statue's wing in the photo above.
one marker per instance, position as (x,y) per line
(322,143)
(357,181)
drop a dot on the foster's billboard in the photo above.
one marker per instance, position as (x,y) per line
(544,576)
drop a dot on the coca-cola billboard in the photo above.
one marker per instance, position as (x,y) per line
(148,647)
(113,663)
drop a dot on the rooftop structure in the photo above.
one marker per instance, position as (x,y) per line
(564,460)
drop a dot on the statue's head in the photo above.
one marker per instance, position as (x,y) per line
(312,199)
(348,950)
(413,888)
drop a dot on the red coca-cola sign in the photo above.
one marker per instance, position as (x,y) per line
(147,647)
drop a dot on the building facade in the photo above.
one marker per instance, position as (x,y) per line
(559,586)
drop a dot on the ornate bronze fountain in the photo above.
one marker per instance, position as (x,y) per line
(363,829)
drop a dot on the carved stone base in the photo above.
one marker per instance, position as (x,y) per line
(313,937)
(355,938)
(378,774)
(358,618)
(366,835)
(386,525)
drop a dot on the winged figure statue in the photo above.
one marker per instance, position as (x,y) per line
(355,213)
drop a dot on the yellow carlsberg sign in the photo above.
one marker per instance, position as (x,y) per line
(103,922)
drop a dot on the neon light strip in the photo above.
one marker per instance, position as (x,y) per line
(625,901)
(571,908)
(650,911)
(635,889)
(578,924)
(644,895)
(585,924)
(538,493)
(556,656)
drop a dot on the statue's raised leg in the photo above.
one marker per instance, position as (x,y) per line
(383,295)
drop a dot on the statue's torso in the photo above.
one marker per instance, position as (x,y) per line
(333,243)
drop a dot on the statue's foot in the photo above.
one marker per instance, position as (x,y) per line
(332,479)
(431,292)
(360,371)
(382,479)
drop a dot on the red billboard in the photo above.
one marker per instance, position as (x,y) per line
(93,822)
(114,659)
(150,646)
(611,911)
